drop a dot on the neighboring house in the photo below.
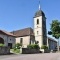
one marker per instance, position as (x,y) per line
(51,43)
(7,38)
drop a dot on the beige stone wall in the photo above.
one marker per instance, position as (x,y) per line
(38,29)
(39,39)
(26,40)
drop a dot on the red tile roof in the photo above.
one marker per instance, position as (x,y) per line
(6,33)
(23,32)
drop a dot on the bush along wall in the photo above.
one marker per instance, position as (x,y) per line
(17,47)
(33,46)
(44,47)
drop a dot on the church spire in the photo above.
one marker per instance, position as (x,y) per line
(39,6)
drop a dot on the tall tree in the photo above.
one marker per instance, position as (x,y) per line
(55,30)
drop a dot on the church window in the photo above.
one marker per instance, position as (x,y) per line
(21,40)
(37,21)
(37,32)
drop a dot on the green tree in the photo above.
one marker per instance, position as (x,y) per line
(55,30)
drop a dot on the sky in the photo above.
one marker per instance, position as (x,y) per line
(18,14)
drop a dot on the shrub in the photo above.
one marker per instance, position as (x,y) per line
(30,46)
(17,46)
(44,47)
(16,50)
(36,46)
(2,45)
(33,46)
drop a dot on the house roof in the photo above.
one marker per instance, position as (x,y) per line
(52,39)
(6,33)
(23,32)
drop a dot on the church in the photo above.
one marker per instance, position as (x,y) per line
(28,36)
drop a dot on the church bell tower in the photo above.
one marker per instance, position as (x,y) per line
(40,27)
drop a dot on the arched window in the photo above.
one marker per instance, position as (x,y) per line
(21,40)
(37,21)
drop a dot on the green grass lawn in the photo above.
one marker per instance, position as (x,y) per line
(15,51)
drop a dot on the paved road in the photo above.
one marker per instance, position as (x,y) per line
(44,56)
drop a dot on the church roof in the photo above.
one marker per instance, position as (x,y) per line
(6,33)
(23,32)
(39,13)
